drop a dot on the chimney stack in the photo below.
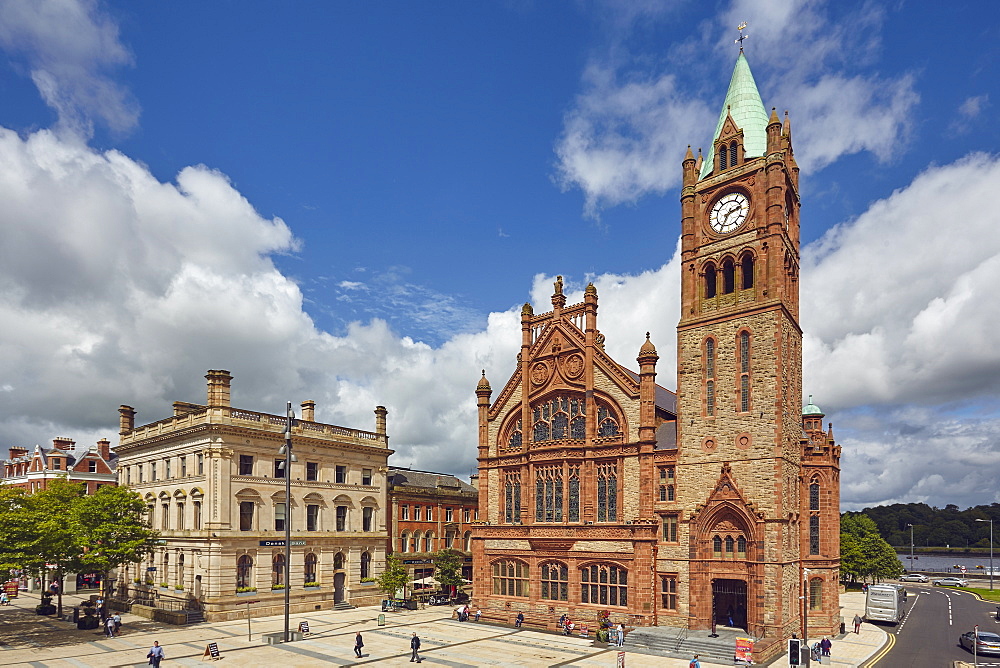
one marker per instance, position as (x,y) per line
(309,410)
(126,419)
(63,443)
(218,387)
(17,451)
(104,449)
(380,413)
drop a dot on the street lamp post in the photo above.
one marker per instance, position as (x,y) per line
(289,458)
(805,608)
(991,549)
(911,547)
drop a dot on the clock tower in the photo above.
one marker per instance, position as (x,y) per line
(739,373)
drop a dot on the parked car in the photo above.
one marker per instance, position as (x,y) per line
(914,577)
(986,643)
(951,582)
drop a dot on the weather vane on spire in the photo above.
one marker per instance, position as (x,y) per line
(741,27)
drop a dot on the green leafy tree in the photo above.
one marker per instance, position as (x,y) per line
(114,529)
(394,577)
(448,567)
(864,553)
(13,530)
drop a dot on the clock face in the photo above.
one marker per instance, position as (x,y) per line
(729,212)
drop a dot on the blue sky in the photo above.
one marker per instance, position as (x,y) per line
(362,194)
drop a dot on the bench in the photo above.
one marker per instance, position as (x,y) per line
(533,620)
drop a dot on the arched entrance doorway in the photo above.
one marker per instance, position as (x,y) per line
(338,587)
(729,602)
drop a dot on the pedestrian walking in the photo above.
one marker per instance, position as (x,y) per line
(358,644)
(857,623)
(109,627)
(118,623)
(695,663)
(621,635)
(414,647)
(155,654)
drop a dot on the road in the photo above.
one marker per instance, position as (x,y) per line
(936,617)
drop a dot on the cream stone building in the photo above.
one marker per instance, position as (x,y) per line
(213,480)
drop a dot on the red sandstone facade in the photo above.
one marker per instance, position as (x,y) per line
(601,491)
(34,469)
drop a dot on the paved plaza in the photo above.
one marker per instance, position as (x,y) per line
(27,640)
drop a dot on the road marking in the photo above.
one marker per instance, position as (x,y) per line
(891,640)
(906,615)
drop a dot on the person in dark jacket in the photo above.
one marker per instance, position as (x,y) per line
(519,620)
(358,644)
(414,646)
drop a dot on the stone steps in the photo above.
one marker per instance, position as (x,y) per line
(682,644)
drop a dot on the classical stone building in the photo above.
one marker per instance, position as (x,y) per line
(214,482)
(430,512)
(33,469)
(602,490)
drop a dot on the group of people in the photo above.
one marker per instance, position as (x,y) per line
(113,625)
(462,613)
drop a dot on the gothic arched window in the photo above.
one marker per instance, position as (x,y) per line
(555,581)
(510,578)
(732,154)
(606,423)
(602,584)
(728,277)
(746,271)
(514,440)
(723,154)
(711,281)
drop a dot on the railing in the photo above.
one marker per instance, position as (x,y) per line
(681,637)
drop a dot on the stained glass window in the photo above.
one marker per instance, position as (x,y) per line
(814,534)
(548,494)
(574,494)
(510,578)
(814,496)
(607,493)
(560,425)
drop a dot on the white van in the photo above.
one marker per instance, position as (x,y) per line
(885,603)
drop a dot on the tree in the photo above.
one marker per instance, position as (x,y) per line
(863,552)
(393,578)
(114,529)
(62,530)
(448,567)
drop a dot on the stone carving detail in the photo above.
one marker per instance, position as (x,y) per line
(573,365)
(539,373)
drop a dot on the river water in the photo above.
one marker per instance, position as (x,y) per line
(951,563)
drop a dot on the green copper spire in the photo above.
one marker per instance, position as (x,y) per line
(744,104)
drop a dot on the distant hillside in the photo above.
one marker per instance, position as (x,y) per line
(946,527)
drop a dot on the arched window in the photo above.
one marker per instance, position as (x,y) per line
(711,281)
(723,154)
(732,154)
(166,566)
(746,271)
(814,495)
(244,571)
(310,568)
(555,581)
(744,354)
(467,539)
(514,440)
(338,561)
(404,542)
(366,565)
(816,594)
(429,541)
(559,418)
(415,544)
(728,276)
(604,585)
(277,570)
(729,546)
(717,546)
(606,423)
(179,576)
(814,534)
(574,493)
(741,547)
(510,578)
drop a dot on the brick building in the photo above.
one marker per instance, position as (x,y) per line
(33,469)
(429,512)
(602,490)
(214,482)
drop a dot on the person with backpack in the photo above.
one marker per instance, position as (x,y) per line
(695,663)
